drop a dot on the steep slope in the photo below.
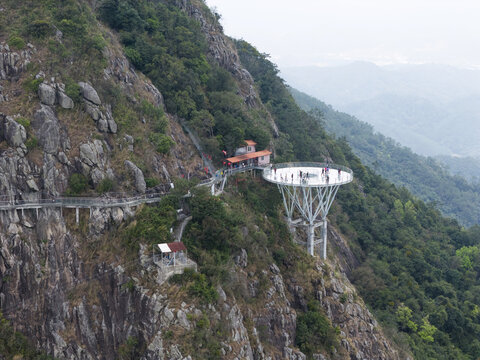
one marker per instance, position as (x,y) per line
(424,177)
(414,266)
(78,119)
(91,290)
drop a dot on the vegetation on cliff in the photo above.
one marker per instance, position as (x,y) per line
(14,345)
(417,270)
(410,255)
(169,47)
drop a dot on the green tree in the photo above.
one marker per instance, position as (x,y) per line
(427,330)
(468,255)
(404,318)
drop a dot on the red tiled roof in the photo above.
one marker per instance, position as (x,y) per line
(177,246)
(250,142)
(252,155)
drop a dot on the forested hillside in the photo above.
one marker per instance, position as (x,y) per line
(417,269)
(424,177)
(89,288)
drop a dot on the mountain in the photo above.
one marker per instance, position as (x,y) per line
(129,103)
(427,178)
(467,167)
(416,105)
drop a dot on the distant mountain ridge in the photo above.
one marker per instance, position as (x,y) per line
(433,109)
(424,177)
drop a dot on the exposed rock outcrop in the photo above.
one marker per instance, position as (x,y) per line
(13,63)
(13,132)
(47,94)
(89,93)
(101,115)
(140,184)
(47,128)
(52,94)
(93,162)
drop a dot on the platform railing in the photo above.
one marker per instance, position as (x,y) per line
(305,164)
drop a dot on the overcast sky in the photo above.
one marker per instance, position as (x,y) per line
(320,32)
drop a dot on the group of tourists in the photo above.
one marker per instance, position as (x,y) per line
(304,176)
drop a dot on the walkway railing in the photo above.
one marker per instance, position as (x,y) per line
(81,202)
(110,199)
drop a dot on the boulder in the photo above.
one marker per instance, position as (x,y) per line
(32,185)
(92,154)
(93,111)
(47,94)
(47,129)
(112,125)
(89,93)
(140,184)
(13,132)
(63,100)
(102,125)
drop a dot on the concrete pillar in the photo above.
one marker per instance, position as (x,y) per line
(311,239)
(36,210)
(324,236)
(22,214)
(77,215)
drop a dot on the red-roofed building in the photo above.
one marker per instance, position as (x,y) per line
(247,156)
(172,260)
(248,148)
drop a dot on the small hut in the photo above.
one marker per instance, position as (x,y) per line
(172,259)
(172,253)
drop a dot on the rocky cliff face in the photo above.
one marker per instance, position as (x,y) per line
(66,286)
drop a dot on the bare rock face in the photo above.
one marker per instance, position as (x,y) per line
(112,125)
(47,129)
(54,93)
(89,93)
(105,121)
(13,63)
(64,101)
(140,184)
(361,336)
(93,161)
(13,132)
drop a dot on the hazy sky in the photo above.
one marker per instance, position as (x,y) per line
(307,32)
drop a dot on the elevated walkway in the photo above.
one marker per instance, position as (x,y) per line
(81,202)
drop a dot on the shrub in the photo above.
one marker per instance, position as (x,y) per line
(314,331)
(72,28)
(151,182)
(77,184)
(106,185)
(162,142)
(156,115)
(24,122)
(130,349)
(97,42)
(134,57)
(39,28)
(16,42)
(32,84)
(129,285)
(203,289)
(72,89)
(31,143)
